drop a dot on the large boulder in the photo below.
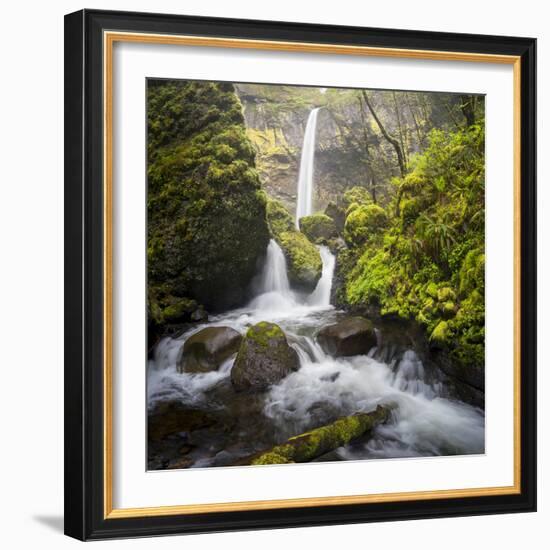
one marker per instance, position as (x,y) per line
(207,349)
(318,228)
(303,260)
(364,221)
(264,358)
(278,217)
(352,336)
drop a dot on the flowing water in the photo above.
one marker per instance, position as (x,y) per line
(426,421)
(304,201)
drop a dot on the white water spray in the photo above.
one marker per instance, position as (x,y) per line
(304,202)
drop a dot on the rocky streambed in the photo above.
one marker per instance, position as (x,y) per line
(235,390)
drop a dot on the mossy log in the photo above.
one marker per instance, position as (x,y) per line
(310,445)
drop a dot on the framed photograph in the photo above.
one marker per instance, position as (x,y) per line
(300,274)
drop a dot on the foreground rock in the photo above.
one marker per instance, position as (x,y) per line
(264,358)
(207,349)
(352,336)
(310,445)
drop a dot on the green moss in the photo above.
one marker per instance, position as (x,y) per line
(363,222)
(410,210)
(206,214)
(309,445)
(441,333)
(356,195)
(278,217)
(431,289)
(303,260)
(448,308)
(472,272)
(271,458)
(445,294)
(318,228)
(179,309)
(263,332)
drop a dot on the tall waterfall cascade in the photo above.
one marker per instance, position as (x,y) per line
(304,201)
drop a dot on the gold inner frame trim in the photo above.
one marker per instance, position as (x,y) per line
(109,39)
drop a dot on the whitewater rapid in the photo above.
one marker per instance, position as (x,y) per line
(426,422)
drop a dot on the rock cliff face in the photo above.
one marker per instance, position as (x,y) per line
(206,212)
(276,118)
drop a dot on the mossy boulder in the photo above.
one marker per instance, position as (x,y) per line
(206,213)
(352,336)
(264,358)
(318,228)
(364,221)
(303,260)
(356,195)
(278,217)
(208,348)
(182,310)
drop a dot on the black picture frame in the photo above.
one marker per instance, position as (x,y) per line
(84,281)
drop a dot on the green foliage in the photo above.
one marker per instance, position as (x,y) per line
(206,211)
(426,261)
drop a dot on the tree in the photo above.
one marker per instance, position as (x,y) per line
(401,160)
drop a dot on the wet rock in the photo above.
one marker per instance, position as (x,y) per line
(172,418)
(264,358)
(352,336)
(207,349)
(303,260)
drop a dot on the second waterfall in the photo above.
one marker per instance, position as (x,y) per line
(304,199)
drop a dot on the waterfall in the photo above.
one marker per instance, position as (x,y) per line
(275,293)
(304,202)
(274,275)
(321,294)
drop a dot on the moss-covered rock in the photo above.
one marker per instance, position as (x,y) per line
(206,212)
(208,348)
(440,335)
(356,195)
(303,260)
(364,221)
(352,336)
(264,358)
(182,310)
(279,218)
(318,228)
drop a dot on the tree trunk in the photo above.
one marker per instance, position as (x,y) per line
(394,142)
(310,445)
(468,109)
